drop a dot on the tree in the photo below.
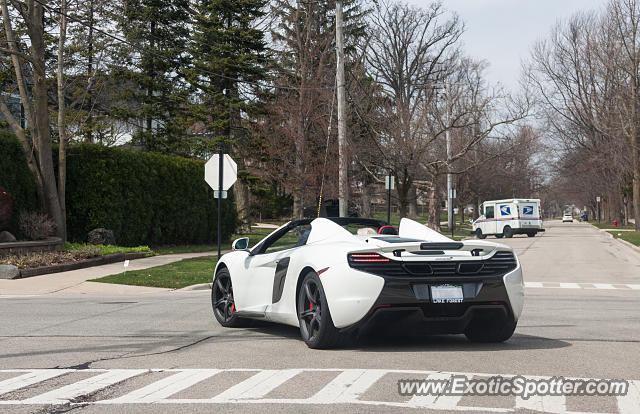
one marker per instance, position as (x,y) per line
(157,33)
(229,61)
(29,65)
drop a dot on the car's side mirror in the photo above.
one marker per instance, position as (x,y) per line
(240,244)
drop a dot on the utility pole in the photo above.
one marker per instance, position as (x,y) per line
(343,164)
(449,176)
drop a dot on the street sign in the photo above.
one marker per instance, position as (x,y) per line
(598,199)
(452,194)
(386,182)
(216,194)
(229,172)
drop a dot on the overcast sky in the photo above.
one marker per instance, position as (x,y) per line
(503,31)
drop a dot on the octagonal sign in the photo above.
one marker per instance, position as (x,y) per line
(229,172)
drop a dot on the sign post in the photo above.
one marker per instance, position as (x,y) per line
(220,172)
(452,196)
(389,184)
(598,201)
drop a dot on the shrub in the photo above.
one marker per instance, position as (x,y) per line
(17,180)
(36,226)
(6,208)
(145,198)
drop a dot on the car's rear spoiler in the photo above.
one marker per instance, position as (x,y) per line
(474,248)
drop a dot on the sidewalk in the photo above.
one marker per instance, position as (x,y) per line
(75,281)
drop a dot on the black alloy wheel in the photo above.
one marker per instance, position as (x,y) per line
(316,325)
(224,308)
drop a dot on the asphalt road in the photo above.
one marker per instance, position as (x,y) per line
(165,352)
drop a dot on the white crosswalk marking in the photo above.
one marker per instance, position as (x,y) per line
(64,394)
(545,404)
(30,378)
(348,386)
(630,403)
(570,286)
(257,386)
(166,387)
(440,402)
(582,285)
(606,286)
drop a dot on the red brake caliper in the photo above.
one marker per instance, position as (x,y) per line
(233,307)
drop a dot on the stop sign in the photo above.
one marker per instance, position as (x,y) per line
(229,172)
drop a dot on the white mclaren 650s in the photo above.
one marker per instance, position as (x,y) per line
(336,277)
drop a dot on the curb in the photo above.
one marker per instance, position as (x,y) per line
(623,242)
(201,286)
(96,261)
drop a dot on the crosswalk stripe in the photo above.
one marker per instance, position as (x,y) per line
(634,287)
(606,286)
(348,386)
(533,284)
(628,404)
(165,387)
(257,386)
(570,286)
(543,403)
(30,378)
(65,394)
(440,402)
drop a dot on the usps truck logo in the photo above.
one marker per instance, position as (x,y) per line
(527,210)
(505,210)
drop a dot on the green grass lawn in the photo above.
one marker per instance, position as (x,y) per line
(173,275)
(632,237)
(607,225)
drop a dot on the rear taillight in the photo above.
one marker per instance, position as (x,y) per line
(366,258)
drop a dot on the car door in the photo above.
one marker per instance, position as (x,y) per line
(265,269)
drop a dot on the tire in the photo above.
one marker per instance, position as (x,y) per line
(507,232)
(531,235)
(316,326)
(480,235)
(222,301)
(489,331)
(499,236)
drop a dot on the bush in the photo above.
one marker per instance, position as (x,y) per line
(36,226)
(145,198)
(17,180)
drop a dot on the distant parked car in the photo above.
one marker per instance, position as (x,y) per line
(567,218)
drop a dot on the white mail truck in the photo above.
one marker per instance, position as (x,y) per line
(504,218)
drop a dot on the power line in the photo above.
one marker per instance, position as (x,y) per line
(141,49)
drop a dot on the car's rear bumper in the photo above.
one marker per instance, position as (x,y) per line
(497,298)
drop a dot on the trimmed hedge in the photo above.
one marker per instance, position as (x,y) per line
(17,179)
(145,198)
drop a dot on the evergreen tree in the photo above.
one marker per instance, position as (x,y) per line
(228,53)
(155,96)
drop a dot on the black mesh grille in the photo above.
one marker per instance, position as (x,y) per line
(499,264)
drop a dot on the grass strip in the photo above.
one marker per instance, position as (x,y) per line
(173,275)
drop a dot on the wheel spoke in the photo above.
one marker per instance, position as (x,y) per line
(308,312)
(219,301)
(314,323)
(310,295)
(220,286)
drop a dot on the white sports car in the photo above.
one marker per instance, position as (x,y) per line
(338,276)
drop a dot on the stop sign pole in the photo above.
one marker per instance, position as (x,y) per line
(220,174)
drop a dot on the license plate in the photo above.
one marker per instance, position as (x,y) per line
(446,294)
